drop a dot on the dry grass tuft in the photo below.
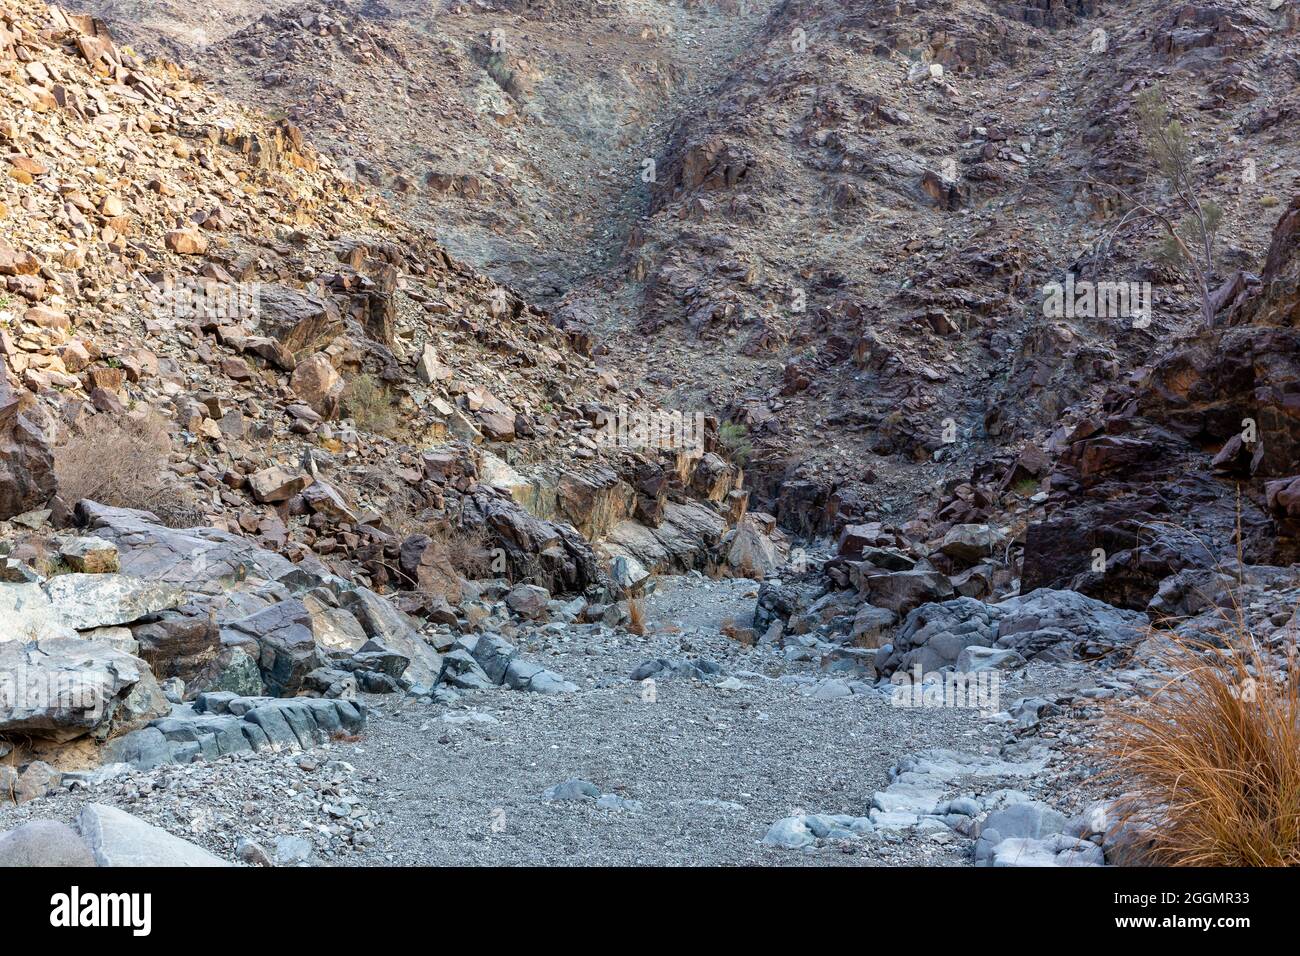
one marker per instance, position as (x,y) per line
(635,616)
(122,462)
(466,549)
(1210,763)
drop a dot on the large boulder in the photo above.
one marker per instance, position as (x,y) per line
(969,543)
(395,631)
(1045,624)
(84,601)
(297,320)
(116,838)
(749,551)
(318,383)
(546,553)
(69,603)
(224,573)
(288,651)
(179,645)
(62,688)
(1054,625)
(901,591)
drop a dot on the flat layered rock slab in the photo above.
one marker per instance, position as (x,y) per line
(117,839)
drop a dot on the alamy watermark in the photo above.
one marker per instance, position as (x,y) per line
(27,690)
(972,690)
(1086,299)
(186,299)
(644,428)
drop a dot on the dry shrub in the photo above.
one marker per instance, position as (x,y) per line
(122,462)
(635,616)
(1210,763)
(370,404)
(465,549)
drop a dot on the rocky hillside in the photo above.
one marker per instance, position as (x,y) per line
(808,219)
(229,368)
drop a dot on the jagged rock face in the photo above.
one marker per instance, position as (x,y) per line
(1044,623)
(26,459)
(1246,368)
(552,555)
(1201,445)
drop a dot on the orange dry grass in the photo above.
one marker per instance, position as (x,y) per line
(635,616)
(1211,762)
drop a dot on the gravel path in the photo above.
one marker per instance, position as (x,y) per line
(709,767)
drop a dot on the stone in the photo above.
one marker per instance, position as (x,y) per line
(529,601)
(969,543)
(394,630)
(871,625)
(334,628)
(26,459)
(251,853)
(1057,850)
(99,690)
(276,484)
(297,320)
(83,601)
(791,833)
(628,573)
(1052,625)
(288,650)
(427,369)
(528,676)
(973,658)
(855,537)
(572,790)
(1045,624)
(179,645)
(324,499)
(318,383)
(44,843)
(1032,820)
(493,654)
(550,554)
(90,556)
(36,780)
(27,613)
(291,851)
(196,558)
(118,839)
(750,552)
(186,242)
(901,591)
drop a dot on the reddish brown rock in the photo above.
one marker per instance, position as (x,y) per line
(26,460)
(187,242)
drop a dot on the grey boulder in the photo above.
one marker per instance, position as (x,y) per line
(118,839)
(65,687)
(44,843)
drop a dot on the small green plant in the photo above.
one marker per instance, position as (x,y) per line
(370,404)
(1025,487)
(734,437)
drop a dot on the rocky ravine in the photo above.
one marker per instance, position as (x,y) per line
(377,587)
